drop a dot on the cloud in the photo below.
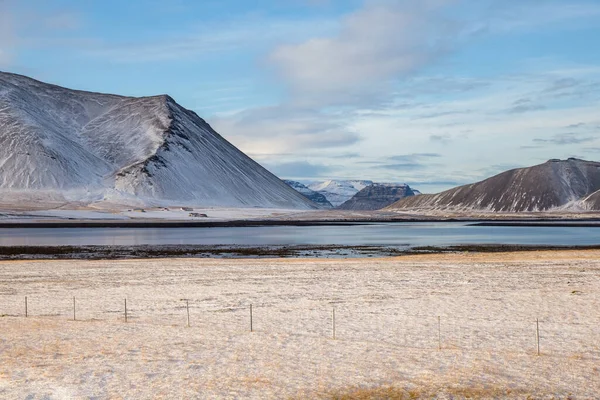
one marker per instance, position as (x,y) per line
(444,139)
(402,166)
(441,114)
(566,138)
(405,162)
(495,169)
(376,44)
(575,126)
(281,129)
(411,158)
(525,105)
(210,38)
(299,169)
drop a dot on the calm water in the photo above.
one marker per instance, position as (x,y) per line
(397,234)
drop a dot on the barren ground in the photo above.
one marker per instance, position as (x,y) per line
(387,327)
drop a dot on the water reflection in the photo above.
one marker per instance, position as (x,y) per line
(397,234)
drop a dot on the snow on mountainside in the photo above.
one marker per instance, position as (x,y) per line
(65,145)
(338,192)
(313,196)
(547,186)
(592,202)
(377,196)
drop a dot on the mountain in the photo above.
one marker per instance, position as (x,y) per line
(339,191)
(313,196)
(554,184)
(377,196)
(65,145)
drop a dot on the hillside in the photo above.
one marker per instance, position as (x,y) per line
(592,202)
(553,184)
(61,145)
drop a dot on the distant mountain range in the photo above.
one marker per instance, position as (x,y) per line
(316,197)
(353,194)
(377,196)
(66,146)
(571,184)
(338,192)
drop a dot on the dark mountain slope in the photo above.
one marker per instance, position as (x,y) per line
(555,183)
(377,196)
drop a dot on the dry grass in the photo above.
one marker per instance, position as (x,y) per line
(398,393)
(386,311)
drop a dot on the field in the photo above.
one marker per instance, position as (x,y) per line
(446,326)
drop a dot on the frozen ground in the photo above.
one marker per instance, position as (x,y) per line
(150,214)
(229,214)
(386,327)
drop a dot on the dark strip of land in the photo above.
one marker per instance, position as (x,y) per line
(541,223)
(255,223)
(226,251)
(191,224)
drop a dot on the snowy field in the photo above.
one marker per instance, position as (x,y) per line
(388,334)
(149,214)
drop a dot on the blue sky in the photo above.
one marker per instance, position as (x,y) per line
(434,93)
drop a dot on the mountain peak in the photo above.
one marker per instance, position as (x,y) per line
(85,147)
(542,187)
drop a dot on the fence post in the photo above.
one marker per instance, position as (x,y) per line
(26,307)
(187,305)
(251,327)
(126,309)
(74,308)
(439,333)
(537,334)
(333,322)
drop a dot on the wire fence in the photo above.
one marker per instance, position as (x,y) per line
(545,336)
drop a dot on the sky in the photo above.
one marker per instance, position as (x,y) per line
(434,93)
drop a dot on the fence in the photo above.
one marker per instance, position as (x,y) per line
(421,331)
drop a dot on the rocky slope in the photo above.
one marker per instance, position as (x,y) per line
(377,196)
(592,202)
(339,191)
(64,145)
(554,184)
(313,196)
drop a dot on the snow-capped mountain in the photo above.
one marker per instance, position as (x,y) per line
(66,146)
(338,192)
(377,196)
(552,185)
(313,196)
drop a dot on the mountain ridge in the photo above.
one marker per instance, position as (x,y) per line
(553,184)
(88,147)
(377,196)
(313,196)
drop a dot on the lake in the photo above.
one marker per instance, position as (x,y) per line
(372,234)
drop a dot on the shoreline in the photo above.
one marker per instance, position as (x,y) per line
(472,221)
(141,252)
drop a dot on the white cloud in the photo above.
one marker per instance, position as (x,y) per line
(375,45)
(209,38)
(276,130)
